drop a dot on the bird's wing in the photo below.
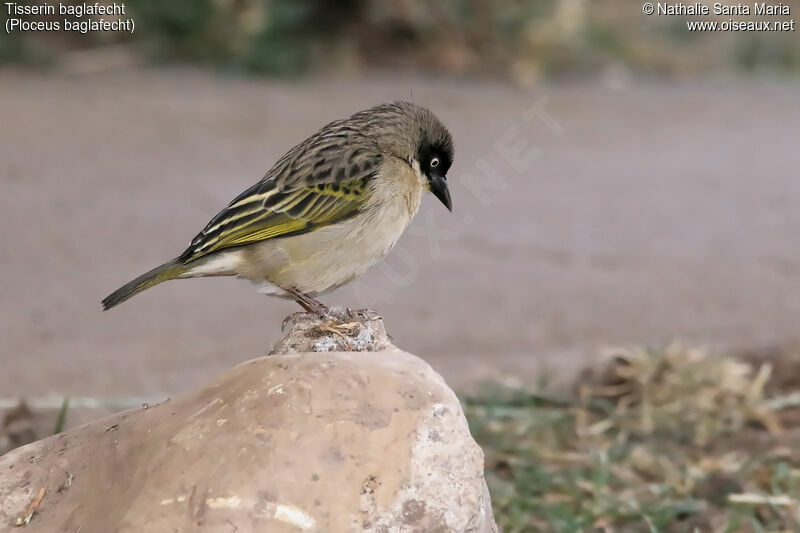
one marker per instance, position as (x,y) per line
(319,182)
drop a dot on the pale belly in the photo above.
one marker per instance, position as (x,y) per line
(322,260)
(326,258)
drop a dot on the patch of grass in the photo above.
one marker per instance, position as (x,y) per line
(61,420)
(672,440)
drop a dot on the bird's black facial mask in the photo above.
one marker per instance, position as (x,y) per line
(434,162)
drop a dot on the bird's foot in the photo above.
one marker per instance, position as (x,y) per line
(347,323)
(338,320)
(339,313)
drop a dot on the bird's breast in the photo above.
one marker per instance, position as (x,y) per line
(326,258)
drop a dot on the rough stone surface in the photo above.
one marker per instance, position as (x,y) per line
(339,441)
(342,330)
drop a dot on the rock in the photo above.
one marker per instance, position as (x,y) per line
(329,442)
(346,331)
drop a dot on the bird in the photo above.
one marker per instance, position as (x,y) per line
(329,209)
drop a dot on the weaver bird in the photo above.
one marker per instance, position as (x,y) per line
(329,209)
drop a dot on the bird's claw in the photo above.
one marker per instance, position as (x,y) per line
(338,313)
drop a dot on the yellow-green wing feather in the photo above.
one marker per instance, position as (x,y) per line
(265,212)
(321,181)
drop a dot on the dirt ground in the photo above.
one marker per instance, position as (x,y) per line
(639,212)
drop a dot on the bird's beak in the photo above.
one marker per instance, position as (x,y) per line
(438,185)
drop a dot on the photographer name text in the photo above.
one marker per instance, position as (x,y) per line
(773,17)
(719,8)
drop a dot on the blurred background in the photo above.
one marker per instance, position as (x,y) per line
(619,180)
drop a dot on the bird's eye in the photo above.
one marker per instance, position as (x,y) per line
(434,162)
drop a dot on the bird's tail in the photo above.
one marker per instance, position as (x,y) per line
(167,271)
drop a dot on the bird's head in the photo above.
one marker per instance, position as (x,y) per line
(415,135)
(433,159)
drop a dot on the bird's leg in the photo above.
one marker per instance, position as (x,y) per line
(307,302)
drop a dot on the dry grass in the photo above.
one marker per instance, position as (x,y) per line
(672,440)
